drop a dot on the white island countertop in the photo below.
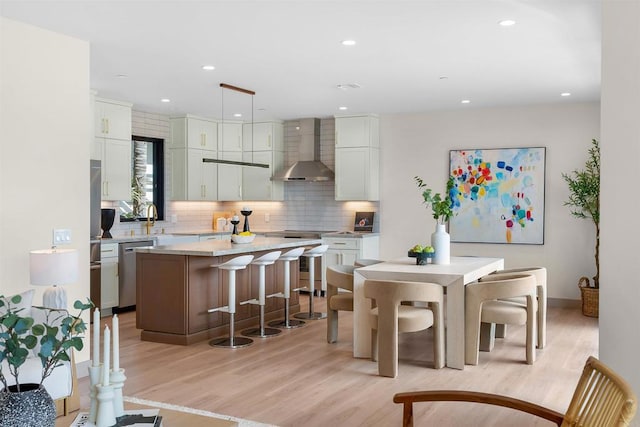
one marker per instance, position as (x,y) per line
(226,247)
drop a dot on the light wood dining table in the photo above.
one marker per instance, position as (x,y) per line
(453,276)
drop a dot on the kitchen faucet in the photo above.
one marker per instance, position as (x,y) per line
(152,216)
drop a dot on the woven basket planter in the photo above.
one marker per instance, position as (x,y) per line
(590,298)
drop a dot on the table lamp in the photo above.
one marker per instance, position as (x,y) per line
(53,267)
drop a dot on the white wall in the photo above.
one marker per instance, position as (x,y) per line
(419,144)
(620,291)
(44,151)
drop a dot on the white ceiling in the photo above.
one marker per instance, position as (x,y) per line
(290,53)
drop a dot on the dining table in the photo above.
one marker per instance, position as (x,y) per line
(454,276)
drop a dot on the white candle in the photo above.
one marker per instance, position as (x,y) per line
(96,337)
(105,366)
(116,342)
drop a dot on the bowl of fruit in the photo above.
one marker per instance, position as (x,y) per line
(422,254)
(244,237)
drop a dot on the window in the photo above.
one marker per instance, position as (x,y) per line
(147,179)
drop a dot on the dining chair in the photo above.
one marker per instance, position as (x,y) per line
(390,317)
(363,262)
(540,274)
(484,304)
(339,277)
(601,399)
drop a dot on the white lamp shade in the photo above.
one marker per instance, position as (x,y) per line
(53,266)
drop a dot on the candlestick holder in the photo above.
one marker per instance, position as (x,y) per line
(235,223)
(246,213)
(106,415)
(94,379)
(117,379)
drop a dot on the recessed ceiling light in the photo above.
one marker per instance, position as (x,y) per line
(208,67)
(342,108)
(237,115)
(348,42)
(121,76)
(165,100)
(443,77)
(348,86)
(507,22)
(565,94)
(465,101)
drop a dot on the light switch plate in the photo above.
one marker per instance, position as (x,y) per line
(61,236)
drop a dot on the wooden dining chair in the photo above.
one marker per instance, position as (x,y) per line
(601,399)
(391,317)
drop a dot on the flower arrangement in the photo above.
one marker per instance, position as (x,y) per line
(442,207)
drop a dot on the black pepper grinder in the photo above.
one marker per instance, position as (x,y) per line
(235,221)
(246,212)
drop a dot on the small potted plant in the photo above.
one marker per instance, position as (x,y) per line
(56,335)
(584,200)
(442,208)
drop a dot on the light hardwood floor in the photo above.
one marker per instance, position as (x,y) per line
(297,379)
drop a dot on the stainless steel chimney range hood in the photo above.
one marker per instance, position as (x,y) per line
(309,167)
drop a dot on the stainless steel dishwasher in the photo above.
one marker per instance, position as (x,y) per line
(127,272)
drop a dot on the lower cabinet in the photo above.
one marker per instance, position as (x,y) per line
(345,251)
(108,277)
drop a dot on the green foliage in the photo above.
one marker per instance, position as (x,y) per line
(584,197)
(442,207)
(58,333)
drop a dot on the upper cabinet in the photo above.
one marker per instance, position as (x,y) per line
(194,132)
(112,145)
(112,119)
(263,136)
(357,131)
(357,158)
(230,136)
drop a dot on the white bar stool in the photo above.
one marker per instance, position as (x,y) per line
(262,262)
(311,254)
(237,263)
(286,258)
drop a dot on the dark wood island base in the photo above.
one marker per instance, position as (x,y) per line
(174,293)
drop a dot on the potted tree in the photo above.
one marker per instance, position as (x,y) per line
(19,334)
(584,200)
(442,208)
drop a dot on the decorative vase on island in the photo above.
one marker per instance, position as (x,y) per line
(440,241)
(31,407)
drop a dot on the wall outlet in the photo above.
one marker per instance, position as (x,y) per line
(61,236)
(267,217)
(174,218)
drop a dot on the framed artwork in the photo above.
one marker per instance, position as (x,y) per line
(364,222)
(498,196)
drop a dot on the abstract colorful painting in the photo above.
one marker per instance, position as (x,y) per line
(498,195)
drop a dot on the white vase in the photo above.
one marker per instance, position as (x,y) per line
(440,241)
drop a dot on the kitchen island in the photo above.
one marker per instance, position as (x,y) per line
(176,285)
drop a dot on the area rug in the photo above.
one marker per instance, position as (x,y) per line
(241,422)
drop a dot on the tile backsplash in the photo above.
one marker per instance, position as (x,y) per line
(306,205)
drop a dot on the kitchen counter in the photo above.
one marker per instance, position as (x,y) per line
(351,234)
(177,285)
(216,248)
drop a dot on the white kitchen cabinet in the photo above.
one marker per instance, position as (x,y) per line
(205,237)
(344,251)
(230,178)
(112,145)
(230,136)
(194,132)
(357,174)
(191,177)
(108,277)
(112,119)
(357,131)
(116,168)
(267,136)
(357,158)
(256,181)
